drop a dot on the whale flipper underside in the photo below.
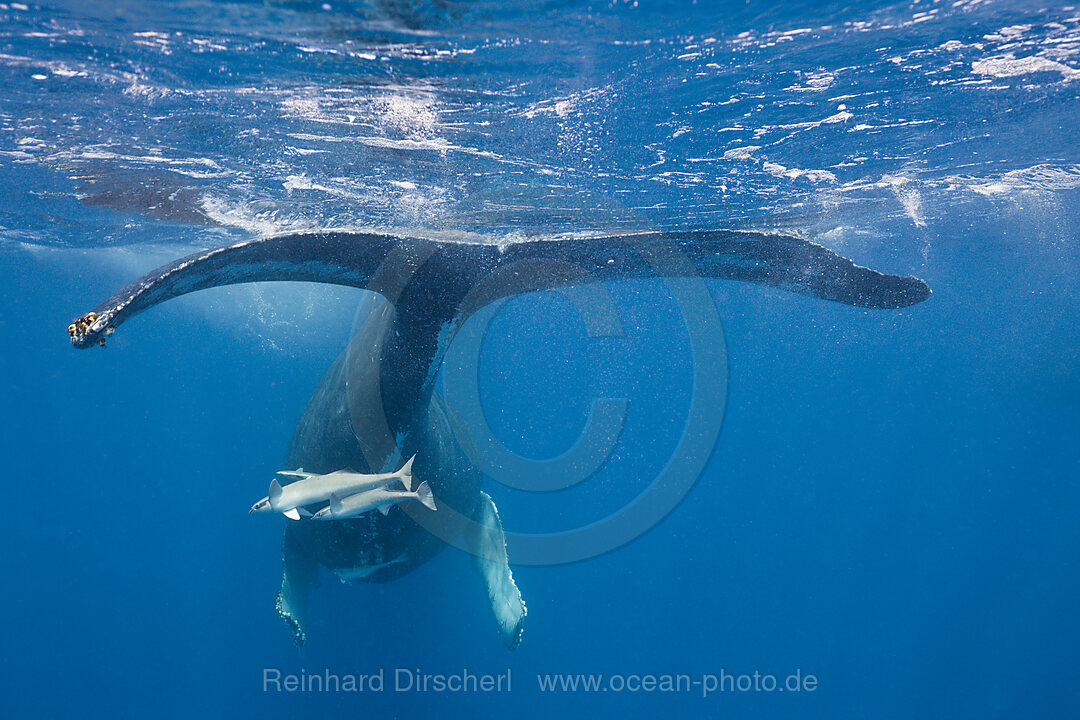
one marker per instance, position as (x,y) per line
(487,543)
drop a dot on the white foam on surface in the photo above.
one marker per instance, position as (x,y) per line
(816,176)
(839,117)
(1041,177)
(1010,66)
(247,216)
(741,153)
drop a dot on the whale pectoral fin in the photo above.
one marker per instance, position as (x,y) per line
(487,543)
(300,577)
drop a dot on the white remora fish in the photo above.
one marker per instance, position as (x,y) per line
(313,488)
(381,499)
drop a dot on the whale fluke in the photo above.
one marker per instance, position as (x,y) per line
(352,259)
(435,284)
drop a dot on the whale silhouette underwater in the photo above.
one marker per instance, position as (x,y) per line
(377,405)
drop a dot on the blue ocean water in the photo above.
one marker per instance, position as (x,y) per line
(890,506)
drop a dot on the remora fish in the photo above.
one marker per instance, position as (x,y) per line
(381,499)
(313,488)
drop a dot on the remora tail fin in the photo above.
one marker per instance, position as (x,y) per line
(424,495)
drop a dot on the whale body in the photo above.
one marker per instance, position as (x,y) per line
(376,404)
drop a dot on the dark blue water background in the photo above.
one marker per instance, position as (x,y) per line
(892,503)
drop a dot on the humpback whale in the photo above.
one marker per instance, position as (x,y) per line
(376,404)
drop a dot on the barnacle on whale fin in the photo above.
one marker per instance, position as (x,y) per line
(299,636)
(515,639)
(82,326)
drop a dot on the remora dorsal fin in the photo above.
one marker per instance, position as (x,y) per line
(405,474)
